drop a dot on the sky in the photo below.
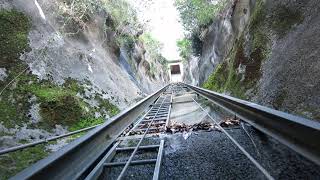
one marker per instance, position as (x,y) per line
(162,19)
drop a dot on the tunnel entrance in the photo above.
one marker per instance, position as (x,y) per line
(175,69)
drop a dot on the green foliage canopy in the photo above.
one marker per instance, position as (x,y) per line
(152,45)
(184,48)
(197,13)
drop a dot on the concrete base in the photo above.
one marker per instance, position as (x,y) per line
(185,110)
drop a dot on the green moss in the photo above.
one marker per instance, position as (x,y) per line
(126,40)
(47,94)
(14,31)
(13,41)
(218,78)
(283,19)
(12,163)
(65,111)
(258,28)
(8,111)
(59,104)
(84,123)
(228,79)
(107,106)
(74,86)
(280,99)
(309,112)
(234,84)
(258,16)
(14,101)
(225,77)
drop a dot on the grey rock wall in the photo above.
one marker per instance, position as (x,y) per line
(220,37)
(87,56)
(289,74)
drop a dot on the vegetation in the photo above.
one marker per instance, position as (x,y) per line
(185,48)
(13,36)
(153,48)
(65,111)
(283,19)
(152,45)
(122,13)
(228,77)
(198,13)
(14,41)
(106,106)
(58,105)
(15,162)
(121,18)
(258,27)
(84,123)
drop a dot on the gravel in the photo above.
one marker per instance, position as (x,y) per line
(211,155)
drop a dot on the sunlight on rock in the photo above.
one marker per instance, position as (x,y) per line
(40,10)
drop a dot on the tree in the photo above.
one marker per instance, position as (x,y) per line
(152,45)
(196,13)
(184,48)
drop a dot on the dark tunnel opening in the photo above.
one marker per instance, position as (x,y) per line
(175,69)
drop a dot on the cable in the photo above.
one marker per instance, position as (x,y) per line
(264,171)
(137,147)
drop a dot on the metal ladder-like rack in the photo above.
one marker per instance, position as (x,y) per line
(153,122)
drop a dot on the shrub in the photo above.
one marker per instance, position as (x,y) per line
(152,46)
(184,48)
(197,13)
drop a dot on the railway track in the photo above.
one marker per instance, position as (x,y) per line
(134,140)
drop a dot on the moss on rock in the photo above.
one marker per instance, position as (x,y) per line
(14,31)
(105,105)
(83,123)
(59,104)
(228,77)
(218,78)
(280,98)
(65,111)
(14,162)
(284,18)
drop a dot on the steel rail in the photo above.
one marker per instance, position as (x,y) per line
(75,160)
(98,169)
(254,161)
(300,134)
(43,141)
(138,145)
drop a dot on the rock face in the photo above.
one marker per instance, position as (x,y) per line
(266,52)
(291,76)
(219,38)
(89,55)
(64,69)
(85,49)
